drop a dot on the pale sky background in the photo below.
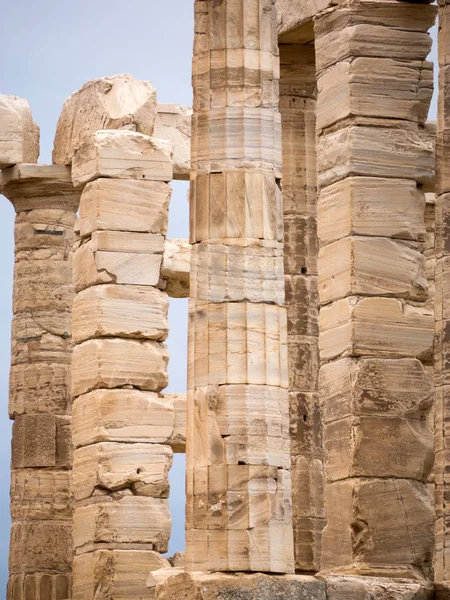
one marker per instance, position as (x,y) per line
(49,49)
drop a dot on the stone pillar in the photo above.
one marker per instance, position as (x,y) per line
(122,425)
(374,158)
(238,449)
(40,561)
(298,114)
(442,313)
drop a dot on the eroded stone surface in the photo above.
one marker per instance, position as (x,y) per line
(19,134)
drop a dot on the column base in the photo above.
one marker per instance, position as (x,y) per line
(174,584)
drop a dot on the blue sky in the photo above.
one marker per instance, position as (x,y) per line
(49,49)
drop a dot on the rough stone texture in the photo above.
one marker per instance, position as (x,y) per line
(176,268)
(368,588)
(173,123)
(118,102)
(19,134)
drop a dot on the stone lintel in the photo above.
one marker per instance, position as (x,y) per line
(30,186)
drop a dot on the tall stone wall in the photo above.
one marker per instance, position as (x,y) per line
(40,560)
(374,162)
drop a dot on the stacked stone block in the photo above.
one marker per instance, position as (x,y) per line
(239,508)
(122,424)
(297,107)
(375,330)
(40,560)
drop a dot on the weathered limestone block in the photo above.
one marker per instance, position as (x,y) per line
(236,273)
(170,584)
(305,424)
(109,363)
(118,102)
(136,521)
(44,229)
(371,206)
(241,424)
(39,388)
(224,211)
(39,585)
(308,484)
(178,438)
(176,268)
(375,152)
(399,388)
(256,353)
(42,285)
(26,185)
(303,361)
(302,301)
(352,89)
(105,468)
(121,574)
(19,134)
(40,494)
(122,155)
(127,415)
(40,546)
(374,326)
(367,521)
(120,311)
(366,588)
(128,260)
(34,441)
(173,123)
(370,266)
(300,245)
(102,202)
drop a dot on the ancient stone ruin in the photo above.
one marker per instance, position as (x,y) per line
(315,420)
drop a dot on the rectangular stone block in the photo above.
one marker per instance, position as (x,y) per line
(122,154)
(120,573)
(300,245)
(42,285)
(34,441)
(109,363)
(370,266)
(173,123)
(19,134)
(375,326)
(351,89)
(375,152)
(364,588)
(308,543)
(120,311)
(40,546)
(302,300)
(142,469)
(39,585)
(176,268)
(237,273)
(44,229)
(371,206)
(126,416)
(40,494)
(305,424)
(141,523)
(39,388)
(128,242)
(308,486)
(92,267)
(367,520)
(102,203)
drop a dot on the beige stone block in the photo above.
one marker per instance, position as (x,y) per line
(39,585)
(229,273)
(375,152)
(40,546)
(352,88)
(302,302)
(375,326)
(121,574)
(42,286)
(303,362)
(122,154)
(305,424)
(382,588)
(127,415)
(120,311)
(370,266)
(399,388)
(308,543)
(92,267)
(238,343)
(30,187)
(19,134)
(40,494)
(308,485)
(378,446)
(39,229)
(133,520)
(105,468)
(176,268)
(127,242)
(34,441)
(39,388)
(103,201)
(173,123)
(300,245)
(110,363)
(117,102)
(367,520)
(178,439)
(371,206)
